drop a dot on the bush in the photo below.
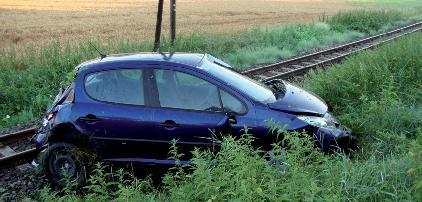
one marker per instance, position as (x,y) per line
(380,90)
(239,172)
(364,21)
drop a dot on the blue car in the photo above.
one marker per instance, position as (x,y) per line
(129,108)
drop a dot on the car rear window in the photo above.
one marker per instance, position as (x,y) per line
(123,86)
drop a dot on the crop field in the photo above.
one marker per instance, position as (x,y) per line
(24,21)
(376,93)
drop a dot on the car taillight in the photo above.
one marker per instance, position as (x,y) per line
(50,116)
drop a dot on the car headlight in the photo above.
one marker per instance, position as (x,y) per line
(318,121)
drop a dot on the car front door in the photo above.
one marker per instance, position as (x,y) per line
(191,111)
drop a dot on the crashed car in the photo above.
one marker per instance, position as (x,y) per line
(129,108)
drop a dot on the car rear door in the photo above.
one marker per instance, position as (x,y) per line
(115,113)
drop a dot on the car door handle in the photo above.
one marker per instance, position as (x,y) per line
(169,124)
(90,118)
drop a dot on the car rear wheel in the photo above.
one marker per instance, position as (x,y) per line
(64,165)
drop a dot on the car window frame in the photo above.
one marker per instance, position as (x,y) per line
(114,69)
(229,89)
(235,96)
(244,95)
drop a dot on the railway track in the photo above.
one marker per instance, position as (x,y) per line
(299,65)
(287,69)
(14,148)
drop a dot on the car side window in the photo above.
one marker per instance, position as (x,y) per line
(184,91)
(231,103)
(123,86)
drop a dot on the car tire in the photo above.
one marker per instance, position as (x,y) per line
(64,165)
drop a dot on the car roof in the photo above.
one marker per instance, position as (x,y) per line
(190,59)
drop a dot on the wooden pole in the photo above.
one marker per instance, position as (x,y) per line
(172,21)
(158,25)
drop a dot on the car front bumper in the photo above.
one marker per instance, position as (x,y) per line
(40,141)
(335,139)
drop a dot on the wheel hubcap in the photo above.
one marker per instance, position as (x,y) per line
(65,165)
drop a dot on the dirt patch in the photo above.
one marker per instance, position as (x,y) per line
(24,21)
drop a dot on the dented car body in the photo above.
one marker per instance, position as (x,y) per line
(128,108)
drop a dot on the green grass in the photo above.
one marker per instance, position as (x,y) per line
(377,93)
(364,21)
(394,4)
(30,76)
(238,172)
(383,89)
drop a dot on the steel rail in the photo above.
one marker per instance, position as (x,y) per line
(18,157)
(17,135)
(289,68)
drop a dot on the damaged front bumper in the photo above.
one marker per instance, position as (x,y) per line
(40,140)
(335,139)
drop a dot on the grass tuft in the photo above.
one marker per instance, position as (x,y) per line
(377,92)
(364,21)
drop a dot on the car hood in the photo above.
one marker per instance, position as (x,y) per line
(299,101)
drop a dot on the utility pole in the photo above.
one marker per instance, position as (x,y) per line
(158,25)
(172,21)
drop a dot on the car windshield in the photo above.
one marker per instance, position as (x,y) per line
(250,87)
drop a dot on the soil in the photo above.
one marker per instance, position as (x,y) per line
(20,182)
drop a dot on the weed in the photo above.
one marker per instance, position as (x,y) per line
(239,172)
(364,21)
(390,4)
(376,91)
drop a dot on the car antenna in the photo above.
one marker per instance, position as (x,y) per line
(101,54)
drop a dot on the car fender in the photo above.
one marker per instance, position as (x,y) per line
(67,132)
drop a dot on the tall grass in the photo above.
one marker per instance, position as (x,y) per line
(30,76)
(364,21)
(389,4)
(239,172)
(377,93)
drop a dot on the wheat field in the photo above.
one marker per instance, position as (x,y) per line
(39,21)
